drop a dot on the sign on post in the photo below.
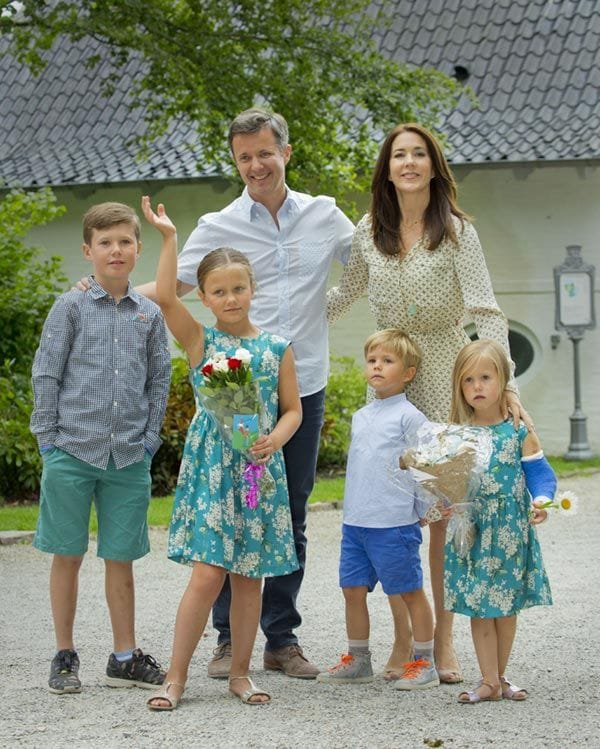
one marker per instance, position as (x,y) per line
(575,313)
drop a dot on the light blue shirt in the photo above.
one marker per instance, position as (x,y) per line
(381,432)
(291,264)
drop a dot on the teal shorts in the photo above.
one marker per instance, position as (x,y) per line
(121,497)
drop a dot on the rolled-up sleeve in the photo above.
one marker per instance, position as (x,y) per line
(48,369)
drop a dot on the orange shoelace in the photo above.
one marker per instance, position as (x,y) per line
(346,660)
(413,669)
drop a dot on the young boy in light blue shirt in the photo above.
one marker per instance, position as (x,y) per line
(100,380)
(381,531)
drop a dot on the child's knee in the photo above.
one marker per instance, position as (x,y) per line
(207,579)
(354,596)
(415,598)
(67,563)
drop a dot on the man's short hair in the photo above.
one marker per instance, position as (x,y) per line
(105,215)
(398,342)
(255,119)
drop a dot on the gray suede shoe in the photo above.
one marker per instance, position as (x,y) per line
(354,668)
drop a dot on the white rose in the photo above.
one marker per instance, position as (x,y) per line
(243,355)
(219,356)
(221,365)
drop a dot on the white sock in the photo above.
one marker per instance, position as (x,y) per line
(357,647)
(424,650)
(123,656)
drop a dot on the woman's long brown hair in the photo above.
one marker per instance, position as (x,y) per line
(385,209)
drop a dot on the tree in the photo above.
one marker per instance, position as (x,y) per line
(28,288)
(203,61)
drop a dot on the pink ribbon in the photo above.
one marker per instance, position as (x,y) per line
(252,476)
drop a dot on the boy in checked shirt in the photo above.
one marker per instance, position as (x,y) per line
(100,380)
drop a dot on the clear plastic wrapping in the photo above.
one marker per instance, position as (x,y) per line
(443,469)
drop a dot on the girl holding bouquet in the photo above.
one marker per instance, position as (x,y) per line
(419,259)
(503,571)
(215,527)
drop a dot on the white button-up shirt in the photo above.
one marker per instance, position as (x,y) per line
(291,264)
(381,433)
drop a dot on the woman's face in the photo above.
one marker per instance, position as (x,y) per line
(410,167)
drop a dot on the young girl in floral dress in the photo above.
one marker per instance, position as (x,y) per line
(503,571)
(213,527)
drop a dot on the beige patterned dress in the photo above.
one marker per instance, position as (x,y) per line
(427,294)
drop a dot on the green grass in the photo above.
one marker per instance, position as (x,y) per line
(24,517)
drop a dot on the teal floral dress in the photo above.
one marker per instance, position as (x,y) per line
(503,571)
(210,521)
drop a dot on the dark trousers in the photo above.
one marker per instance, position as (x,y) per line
(279,613)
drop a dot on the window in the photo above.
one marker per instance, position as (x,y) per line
(521,348)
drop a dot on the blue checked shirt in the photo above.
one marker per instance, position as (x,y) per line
(101,377)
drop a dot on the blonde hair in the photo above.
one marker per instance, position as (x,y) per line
(399,343)
(105,215)
(468,358)
(221,258)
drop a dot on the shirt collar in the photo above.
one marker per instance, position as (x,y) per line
(97,291)
(388,402)
(249,205)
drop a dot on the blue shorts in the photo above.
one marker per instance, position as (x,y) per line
(388,555)
(121,497)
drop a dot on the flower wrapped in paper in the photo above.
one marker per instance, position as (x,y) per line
(447,462)
(231,397)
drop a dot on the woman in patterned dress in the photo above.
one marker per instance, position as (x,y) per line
(213,528)
(419,260)
(503,572)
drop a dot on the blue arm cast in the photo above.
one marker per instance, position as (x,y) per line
(540,479)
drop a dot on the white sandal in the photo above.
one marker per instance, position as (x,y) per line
(163,694)
(252,691)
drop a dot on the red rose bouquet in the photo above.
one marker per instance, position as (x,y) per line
(231,397)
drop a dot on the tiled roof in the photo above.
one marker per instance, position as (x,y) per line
(58,129)
(533,64)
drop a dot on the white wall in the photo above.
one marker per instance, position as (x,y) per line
(525,217)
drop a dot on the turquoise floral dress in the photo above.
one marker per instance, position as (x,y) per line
(503,572)
(210,521)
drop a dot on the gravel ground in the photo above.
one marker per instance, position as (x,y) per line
(549,659)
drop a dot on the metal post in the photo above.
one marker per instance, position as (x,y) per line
(579,448)
(574,313)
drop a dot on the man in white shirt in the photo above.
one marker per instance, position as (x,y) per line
(291,239)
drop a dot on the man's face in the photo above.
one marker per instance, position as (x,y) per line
(261,164)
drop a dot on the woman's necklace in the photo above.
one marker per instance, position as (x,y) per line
(408,224)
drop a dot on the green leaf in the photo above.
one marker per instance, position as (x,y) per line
(312,60)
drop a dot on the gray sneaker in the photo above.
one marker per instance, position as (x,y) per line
(418,674)
(64,673)
(139,671)
(353,668)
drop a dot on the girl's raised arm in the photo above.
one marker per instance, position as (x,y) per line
(186,329)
